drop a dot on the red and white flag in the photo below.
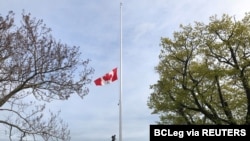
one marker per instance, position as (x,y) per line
(107,78)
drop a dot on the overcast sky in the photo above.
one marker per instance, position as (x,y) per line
(94,25)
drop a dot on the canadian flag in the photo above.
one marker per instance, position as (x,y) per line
(107,78)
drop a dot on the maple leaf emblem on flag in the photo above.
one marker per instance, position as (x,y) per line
(107,77)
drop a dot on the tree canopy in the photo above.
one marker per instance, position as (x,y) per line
(33,63)
(204,74)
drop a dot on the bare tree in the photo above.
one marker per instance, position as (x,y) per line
(33,63)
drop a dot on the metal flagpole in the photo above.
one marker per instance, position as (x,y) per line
(120,97)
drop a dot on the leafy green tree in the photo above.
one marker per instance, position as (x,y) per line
(204,74)
(33,63)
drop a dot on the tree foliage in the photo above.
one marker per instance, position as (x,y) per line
(204,74)
(33,63)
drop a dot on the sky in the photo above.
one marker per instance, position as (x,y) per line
(94,26)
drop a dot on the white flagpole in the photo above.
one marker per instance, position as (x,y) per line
(120,97)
